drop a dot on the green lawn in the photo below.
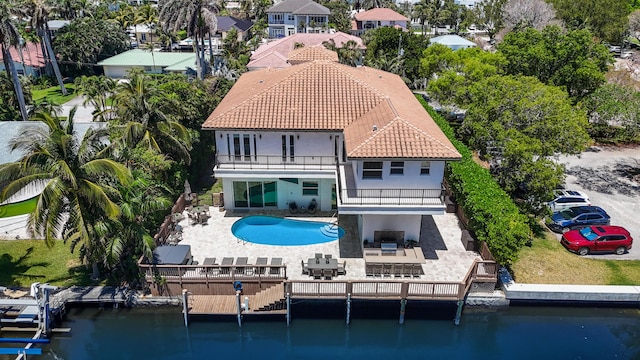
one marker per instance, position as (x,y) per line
(204,197)
(548,262)
(19,208)
(26,261)
(54,95)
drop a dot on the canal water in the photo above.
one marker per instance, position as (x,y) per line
(514,333)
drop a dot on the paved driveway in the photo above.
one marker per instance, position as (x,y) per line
(607,176)
(84,112)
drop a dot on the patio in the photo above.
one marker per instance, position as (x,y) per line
(446,259)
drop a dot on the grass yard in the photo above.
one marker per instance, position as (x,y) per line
(548,262)
(54,95)
(204,197)
(19,208)
(26,261)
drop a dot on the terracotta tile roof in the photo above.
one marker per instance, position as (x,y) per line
(287,44)
(31,53)
(270,59)
(327,96)
(311,53)
(379,14)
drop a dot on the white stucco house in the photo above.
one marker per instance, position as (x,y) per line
(355,140)
(375,18)
(290,17)
(155,62)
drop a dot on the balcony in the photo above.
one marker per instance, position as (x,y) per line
(276,21)
(400,201)
(266,162)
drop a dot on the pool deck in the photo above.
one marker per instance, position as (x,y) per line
(446,258)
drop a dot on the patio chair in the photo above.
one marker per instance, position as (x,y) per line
(318,256)
(305,268)
(397,270)
(293,207)
(386,270)
(327,273)
(342,268)
(317,274)
(313,206)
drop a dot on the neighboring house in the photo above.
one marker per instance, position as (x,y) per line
(155,62)
(375,18)
(297,16)
(454,42)
(142,33)
(468,3)
(276,53)
(355,140)
(27,59)
(226,23)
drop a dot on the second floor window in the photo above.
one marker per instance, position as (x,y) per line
(288,146)
(372,170)
(291,17)
(277,19)
(424,167)
(397,168)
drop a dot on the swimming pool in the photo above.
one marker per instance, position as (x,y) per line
(269,230)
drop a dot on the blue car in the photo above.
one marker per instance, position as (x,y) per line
(577,217)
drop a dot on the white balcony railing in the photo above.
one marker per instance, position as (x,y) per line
(266,162)
(401,197)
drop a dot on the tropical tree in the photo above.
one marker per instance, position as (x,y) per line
(520,124)
(607,19)
(571,59)
(198,17)
(10,10)
(143,118)
(86,41)
(489,16)
(79,192)
(39,11)
(141,205)
(9,104)
(97,90)
(614,113)
(148,16)
(422,12)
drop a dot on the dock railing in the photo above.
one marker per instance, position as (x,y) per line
(480,270)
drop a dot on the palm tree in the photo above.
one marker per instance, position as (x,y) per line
(141,202)
(198,17)
(422,11)
(97,90)
(79,191)
(9,36)
(142,111)
(148,16)
(39,11)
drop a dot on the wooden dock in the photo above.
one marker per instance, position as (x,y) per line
(268,301)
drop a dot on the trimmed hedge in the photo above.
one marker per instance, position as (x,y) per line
(493,217)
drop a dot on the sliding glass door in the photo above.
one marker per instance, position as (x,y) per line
(255,194)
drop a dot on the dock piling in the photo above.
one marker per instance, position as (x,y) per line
(403,304)
(185,307)
(239,305)
(459,312)
(288,309)
(348,308)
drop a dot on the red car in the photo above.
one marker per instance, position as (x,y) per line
(598,239)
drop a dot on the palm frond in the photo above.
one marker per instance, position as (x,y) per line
(107,167)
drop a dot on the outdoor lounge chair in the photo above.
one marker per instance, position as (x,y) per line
(313,206)
(293,207)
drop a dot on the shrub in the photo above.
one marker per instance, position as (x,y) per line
(493,217)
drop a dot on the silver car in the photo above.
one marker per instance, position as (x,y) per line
(565,199)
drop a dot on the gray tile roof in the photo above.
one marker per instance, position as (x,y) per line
(299,7)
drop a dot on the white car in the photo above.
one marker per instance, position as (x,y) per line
(565,199)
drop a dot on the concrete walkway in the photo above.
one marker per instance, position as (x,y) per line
(84,113)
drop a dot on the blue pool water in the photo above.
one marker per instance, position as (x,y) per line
(521,333)
(269,230)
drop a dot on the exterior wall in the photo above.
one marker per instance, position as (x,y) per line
(26,70)
(270,143)
(290,24)
(411,179)
(410,224)
(287,192)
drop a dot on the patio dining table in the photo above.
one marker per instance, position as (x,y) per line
(323,264)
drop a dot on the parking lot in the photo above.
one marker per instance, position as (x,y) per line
(611,178)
